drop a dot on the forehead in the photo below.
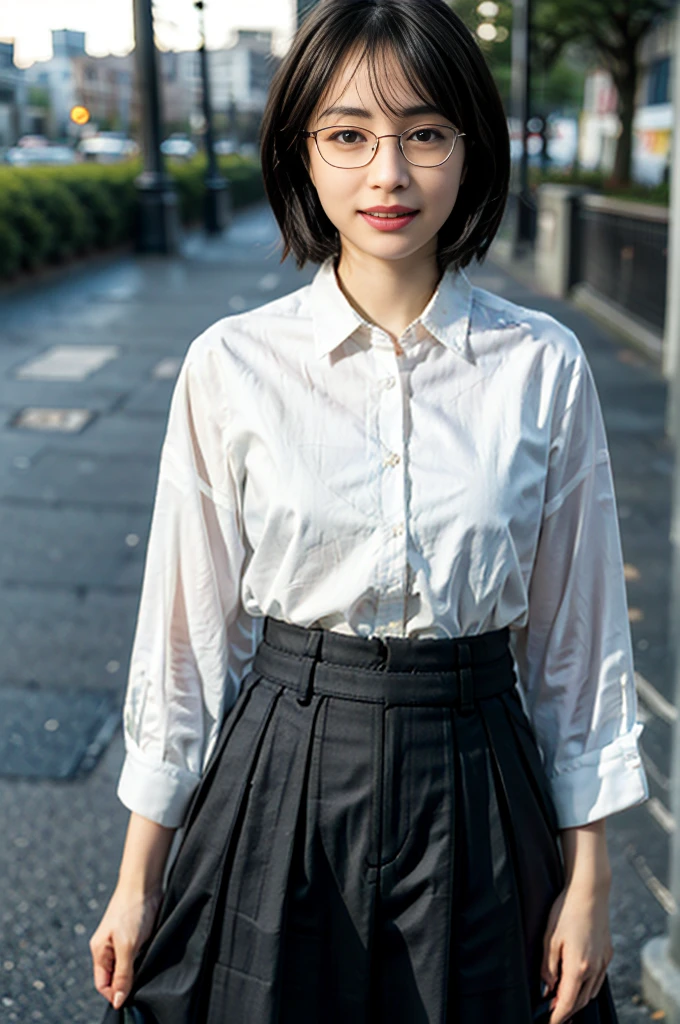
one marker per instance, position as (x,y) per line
(375,83)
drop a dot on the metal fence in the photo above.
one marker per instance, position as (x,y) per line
(622,254)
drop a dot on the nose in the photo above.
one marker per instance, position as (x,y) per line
(389,167)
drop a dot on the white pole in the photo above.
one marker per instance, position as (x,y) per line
(661,955)
(672,323)
(672,339)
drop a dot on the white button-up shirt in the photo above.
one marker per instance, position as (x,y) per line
(454,484)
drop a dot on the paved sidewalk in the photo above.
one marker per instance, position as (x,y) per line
(75,512)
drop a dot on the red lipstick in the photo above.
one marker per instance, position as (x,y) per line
(394,217)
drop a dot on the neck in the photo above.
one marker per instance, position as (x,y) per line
(389,293)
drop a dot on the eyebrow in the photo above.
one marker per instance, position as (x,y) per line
(360,112)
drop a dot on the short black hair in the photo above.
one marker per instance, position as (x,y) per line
(444,65)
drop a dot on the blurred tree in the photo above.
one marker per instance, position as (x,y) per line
(610,30)
(498,53)
(558,85)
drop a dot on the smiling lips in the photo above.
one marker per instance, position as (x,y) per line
(388,218)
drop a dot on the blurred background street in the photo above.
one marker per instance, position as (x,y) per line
(102,288)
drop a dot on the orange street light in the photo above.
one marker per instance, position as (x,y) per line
(79,115)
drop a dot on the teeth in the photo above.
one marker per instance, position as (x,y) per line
(388,215)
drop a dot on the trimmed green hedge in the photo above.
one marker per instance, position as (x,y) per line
(50,214)
(599,182)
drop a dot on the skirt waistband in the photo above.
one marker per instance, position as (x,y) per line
(391,670)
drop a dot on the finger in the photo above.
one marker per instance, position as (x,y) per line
(548,943)
(122,978)
(568,992)
(103,962)
(553,964)
(596,985)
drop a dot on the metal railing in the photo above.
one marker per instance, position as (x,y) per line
(622,254)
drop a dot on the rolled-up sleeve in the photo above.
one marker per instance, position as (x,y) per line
(574,655)
(177,688)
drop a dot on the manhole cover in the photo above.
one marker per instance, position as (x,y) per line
(65,420)
(54,734)
(67,362)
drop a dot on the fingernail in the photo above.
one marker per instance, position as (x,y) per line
(118,1000)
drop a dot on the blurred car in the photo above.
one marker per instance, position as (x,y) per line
(28,141)
(30,156)
(108,147)
(179,147)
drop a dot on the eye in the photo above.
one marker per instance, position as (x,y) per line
(426,135)
(347,137)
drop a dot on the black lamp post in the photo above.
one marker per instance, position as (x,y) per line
(157,214)
(217,197)
(521,101)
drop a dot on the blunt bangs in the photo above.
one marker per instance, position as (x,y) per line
(444,66)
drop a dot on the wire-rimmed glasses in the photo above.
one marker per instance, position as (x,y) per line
(346,146)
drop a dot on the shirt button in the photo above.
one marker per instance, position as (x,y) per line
(398,530)
(392,459)
(390,382)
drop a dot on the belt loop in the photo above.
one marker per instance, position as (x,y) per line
(311,656)
(466,689)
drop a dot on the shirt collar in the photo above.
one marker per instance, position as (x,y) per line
(446,316)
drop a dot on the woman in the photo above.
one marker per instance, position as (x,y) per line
(383,500)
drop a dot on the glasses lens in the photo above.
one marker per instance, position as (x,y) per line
(428,144)
(344,146)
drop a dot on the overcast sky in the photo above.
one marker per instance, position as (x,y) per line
(108,23)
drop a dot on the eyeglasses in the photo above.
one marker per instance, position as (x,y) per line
(427,145)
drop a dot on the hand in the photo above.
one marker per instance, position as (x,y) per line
(127,923)
(577,947)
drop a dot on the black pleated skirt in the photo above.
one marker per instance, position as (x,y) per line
(372,842)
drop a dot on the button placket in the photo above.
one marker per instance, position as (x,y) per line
(392,567)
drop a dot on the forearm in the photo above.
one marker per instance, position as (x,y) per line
(146,849)
(586,859)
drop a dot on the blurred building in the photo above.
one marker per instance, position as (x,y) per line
(178,87)
(13,103)
(599,126)
(106,86)
(240,77)
(653,124)
(242,73)
(51,88)
(654,116)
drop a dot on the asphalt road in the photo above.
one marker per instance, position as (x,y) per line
(105,343)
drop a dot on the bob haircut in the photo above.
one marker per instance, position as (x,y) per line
(443,64)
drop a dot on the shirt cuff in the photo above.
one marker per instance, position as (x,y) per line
(600,783)
(157,790)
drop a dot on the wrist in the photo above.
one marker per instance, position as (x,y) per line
(590,877)
(134,887)
(586,858)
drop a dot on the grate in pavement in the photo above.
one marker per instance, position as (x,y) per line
(54,734)
(67,362)
(64,420)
